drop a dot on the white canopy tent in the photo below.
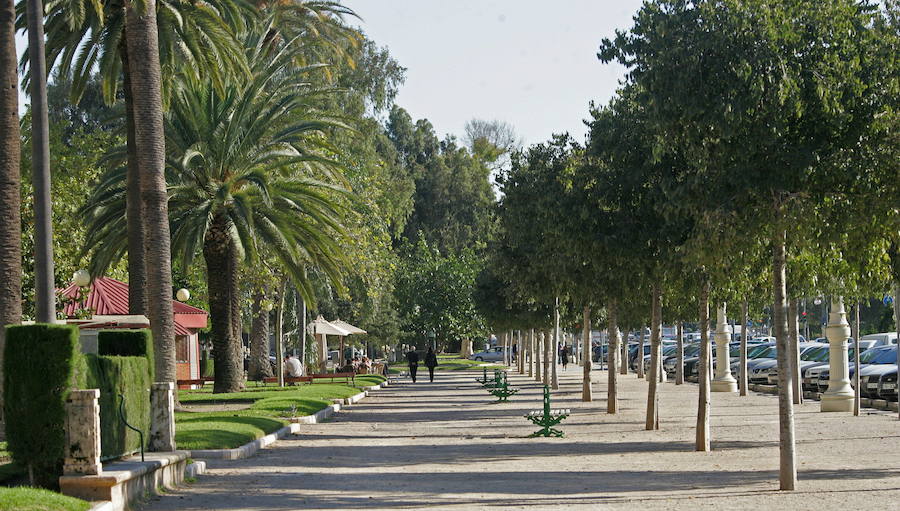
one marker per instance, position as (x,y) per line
(350,328)
(320,329)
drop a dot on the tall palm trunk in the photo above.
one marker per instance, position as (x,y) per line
(745,334)
(134,217)
(586,394)
(703,364)
(44,288)
(143,62)
(612,332)
(279,332)
(260,367)
(652,420)
(10,181)
(787,466)
(221,258)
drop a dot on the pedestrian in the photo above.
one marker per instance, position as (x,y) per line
(413,359)
(515,352)
(564,355)
(430,363)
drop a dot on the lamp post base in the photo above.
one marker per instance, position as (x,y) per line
(837,402)
(724,386)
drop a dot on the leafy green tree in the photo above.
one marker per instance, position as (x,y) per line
(762,98)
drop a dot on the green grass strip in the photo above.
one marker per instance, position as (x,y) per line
(34,499)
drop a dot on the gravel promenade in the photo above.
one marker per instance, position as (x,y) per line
(447,445)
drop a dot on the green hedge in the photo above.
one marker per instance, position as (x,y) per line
(42,364)
(115,376)
(127,343)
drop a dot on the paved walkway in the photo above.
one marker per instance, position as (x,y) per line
(446,445)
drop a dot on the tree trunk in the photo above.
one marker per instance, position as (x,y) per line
(134,212)
(531,353)
(10,182)
(612,332)
(623,367)
(548,340)
(787,467)
(44,288)
(652,419)
(639,356)
(794,353)
(554,378)
(745,334)
(143,61)
(896,328)
(538,350)
(260,367)
(679,354)
(279,332)
(222,282)
(855,334)
(586,394)
(703,440)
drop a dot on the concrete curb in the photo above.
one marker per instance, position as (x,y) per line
(197,468)
(249,449)
(103,505)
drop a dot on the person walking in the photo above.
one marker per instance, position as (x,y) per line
(564,355)
(431,362)
(412,358)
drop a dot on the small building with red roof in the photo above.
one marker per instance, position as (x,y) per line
(105,306)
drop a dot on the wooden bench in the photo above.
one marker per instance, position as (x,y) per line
(332,376)
(288,379)
(198,381)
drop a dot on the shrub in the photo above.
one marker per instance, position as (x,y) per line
(127,343)
(42,364)
(121,376)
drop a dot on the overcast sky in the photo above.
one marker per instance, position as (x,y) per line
(527,62)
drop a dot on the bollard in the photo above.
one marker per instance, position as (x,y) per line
(83,433)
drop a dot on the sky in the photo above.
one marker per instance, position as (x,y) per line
(530,63)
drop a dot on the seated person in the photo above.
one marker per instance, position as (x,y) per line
(292,366)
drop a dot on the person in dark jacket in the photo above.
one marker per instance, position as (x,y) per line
(430,363)
(564,354)
(413,359)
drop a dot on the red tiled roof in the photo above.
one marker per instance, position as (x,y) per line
(109,297)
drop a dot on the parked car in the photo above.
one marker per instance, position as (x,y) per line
(811,354)
(882,339)
(494,354)
(667,350)
(880,355)
(887,387)
(669,363)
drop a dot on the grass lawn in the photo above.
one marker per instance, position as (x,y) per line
(269,409)
(454,363)
(33,499)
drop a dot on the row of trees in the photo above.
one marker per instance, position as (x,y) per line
(750,157)
(253,154)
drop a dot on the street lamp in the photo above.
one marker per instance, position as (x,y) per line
(183,295)
(81,278)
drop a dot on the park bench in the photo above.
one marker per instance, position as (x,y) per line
(289,379)
(324,376)
(191,382)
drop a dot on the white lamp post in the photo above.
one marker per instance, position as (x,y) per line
(183,295)
(839,396)
(724,381)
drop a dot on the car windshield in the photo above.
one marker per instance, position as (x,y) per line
(691,351)
(735,352)
(768,352)
(816,354)
(885,356)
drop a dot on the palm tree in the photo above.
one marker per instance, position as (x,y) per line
(245,170)
(45,294)
(149,143)
(10,185)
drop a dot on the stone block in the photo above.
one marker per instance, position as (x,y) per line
(162,417)
(83,433)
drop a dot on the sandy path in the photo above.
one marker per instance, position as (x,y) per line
(446,445)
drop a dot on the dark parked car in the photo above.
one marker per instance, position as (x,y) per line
(883,357)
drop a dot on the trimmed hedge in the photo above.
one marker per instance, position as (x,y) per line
(43,362)
(127,343)
(128,376)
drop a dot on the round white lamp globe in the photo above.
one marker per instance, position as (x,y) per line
(81,278)
(183,295)
(269,306)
